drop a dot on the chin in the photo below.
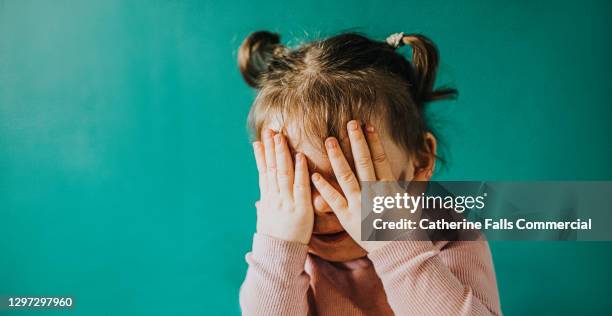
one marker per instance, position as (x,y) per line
(339,247)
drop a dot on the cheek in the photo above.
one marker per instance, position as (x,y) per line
(407,174)
(401,164)
(402,168)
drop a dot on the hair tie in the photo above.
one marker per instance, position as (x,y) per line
(396,40)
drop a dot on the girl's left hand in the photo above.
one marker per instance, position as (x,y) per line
(371,164)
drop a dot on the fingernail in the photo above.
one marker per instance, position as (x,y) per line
(331,143)
(298,157)
(353,125)
(316,177)
(268,134)
(277,139)
(256,144)
(370,129)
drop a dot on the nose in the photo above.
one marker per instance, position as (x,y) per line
(320,206)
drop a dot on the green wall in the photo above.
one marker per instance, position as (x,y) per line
(126,177)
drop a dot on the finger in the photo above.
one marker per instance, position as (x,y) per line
(344,174)
(379,157)
(361,152)
(284,168)
(260,159)
(332,197)
(301,184)
(270,161)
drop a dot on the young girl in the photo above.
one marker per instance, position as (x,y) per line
(329,114)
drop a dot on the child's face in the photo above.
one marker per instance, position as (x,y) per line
(329,240)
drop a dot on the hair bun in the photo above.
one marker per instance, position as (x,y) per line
(255,54)
(425,58)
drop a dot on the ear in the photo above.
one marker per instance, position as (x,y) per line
(425,162)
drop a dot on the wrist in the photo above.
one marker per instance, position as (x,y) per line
(301,240)
(281,252)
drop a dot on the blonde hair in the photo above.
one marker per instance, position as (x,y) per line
(323,84)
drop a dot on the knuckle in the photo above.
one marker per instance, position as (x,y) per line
(286,203)
(299,187)
(379,157)
(284,177)
(336,200)
(346,176)
(272,169)
(363,162)
(283,173)
(276,203)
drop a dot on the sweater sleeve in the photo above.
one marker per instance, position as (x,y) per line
(275,283)
(420,279)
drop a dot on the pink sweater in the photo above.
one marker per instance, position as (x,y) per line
(402,278)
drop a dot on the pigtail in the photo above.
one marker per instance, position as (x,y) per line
(425,63)
(255,55)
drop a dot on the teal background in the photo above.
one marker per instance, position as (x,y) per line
(126,177)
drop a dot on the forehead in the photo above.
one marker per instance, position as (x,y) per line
(317,158)
(314,149)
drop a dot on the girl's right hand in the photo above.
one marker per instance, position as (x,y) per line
(284,210)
